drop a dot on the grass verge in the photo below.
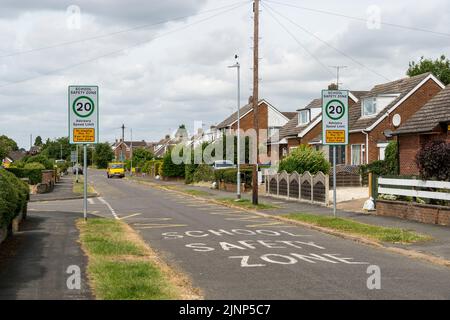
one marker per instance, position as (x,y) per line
(122,267)
(79,187)
(194,192)
(393,235)
(247,204)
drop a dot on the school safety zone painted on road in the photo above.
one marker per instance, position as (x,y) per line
(279,247)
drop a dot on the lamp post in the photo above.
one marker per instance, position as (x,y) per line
(238,68)
(131,153)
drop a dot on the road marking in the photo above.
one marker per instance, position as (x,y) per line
(109,207)
(91,201)
(130,216)
(158,225)
(265,224)
(245,218)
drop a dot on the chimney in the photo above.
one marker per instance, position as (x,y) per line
(332,86)
(167,136)
(250,100)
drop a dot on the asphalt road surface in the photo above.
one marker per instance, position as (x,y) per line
(232,254)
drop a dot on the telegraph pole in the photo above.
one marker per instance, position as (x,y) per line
(255,98)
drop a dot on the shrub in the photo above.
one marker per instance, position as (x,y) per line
(204,173)
(34,165)
(171,169)
(305,158)
(230,176)
(34,175)
(391,158)
(14,195)
(48,164)
(433,161)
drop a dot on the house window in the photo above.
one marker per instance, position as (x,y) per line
(340,154)
(303,117)
(356,154)
(273,131)
(382,150)
(369,107)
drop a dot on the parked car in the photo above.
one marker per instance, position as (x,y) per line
(223,164)
(75,168)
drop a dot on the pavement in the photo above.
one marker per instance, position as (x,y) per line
(34,262)
(63,191)
(233,254)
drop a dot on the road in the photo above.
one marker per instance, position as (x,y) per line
(232,254)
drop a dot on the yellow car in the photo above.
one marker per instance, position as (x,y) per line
(115,169)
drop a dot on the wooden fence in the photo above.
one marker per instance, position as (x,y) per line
(300,187)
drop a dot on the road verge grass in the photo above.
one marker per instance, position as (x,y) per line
(247,204)
(373,232)
(79,187)
(198,193)
(122,267)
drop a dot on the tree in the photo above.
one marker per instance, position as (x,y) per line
(140,156)
(103,155)
(439,67)
(6,146)
(38,141)
(53,148)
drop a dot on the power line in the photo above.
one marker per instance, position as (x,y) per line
(145,26)
(298,41)
(328,44)
(119,50)
(360,18)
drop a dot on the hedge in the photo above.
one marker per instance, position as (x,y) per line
(148,167)
(230,176)
(35,175)
(14,195)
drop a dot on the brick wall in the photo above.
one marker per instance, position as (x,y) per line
(246,122)
(413,211)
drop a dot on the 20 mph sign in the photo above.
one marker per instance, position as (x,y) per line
(335,117)
(83,114)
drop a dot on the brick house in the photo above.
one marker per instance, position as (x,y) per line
(430,122)
(381,111)
(122,149)
(269,118)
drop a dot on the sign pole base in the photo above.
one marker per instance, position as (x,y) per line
(85,173)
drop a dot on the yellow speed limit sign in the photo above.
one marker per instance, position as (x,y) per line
(83,114)
(335,117)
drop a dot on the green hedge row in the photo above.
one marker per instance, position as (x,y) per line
(230,176)
(35,175)
(14,195)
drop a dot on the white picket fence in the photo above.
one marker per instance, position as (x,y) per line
(413,188)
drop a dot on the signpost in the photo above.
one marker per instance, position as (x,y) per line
(83,124)
(334,125)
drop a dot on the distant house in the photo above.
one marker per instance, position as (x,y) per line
(382,110)
(12,157)
(430,122)
(122,149)
(168,142)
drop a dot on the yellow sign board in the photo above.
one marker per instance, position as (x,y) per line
(335,136)
(84,135)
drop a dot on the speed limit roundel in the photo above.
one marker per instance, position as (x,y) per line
(335,109)
(83,106)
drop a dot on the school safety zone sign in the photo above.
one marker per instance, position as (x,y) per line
(335,117)
(83,114)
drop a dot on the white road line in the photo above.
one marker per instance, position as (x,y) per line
(131,215)
(109,207)
(91,201)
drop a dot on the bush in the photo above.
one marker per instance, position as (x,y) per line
(433,161)
(34,165)
(34,175)
(170,169)
(305,158)
(203,173)
(391,158)
(230,176)
(46,162)
(14,195)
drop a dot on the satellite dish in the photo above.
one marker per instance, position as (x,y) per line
(396,120)
(387,133)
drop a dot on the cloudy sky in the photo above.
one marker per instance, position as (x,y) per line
(162,63)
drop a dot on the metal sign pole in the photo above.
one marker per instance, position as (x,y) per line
(85,182)
(77,165)
(334,181)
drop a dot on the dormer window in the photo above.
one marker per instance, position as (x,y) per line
(371,106)
(303,117)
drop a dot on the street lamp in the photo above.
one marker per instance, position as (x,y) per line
(131,153)
(238,68)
